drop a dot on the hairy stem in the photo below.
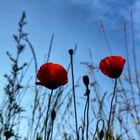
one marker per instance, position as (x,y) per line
(47,113)
(73,89)
(111,105)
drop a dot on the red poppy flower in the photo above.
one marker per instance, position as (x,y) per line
(52,75)
(112,66)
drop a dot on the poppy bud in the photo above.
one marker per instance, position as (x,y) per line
(101,134)
(86,80)
(53,115)
(71,51)
(8,134)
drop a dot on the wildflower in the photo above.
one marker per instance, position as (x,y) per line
(52,76)
(112,66)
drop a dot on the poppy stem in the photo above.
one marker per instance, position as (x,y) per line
(52,130)
(80,127)
(47,113)
(73,89)
(87,116)
(108,128)
(97,125)
(83,130)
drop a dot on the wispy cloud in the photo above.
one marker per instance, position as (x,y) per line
(111,12)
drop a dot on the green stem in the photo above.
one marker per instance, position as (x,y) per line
(47,113)
(73,89)
(87,117)
(108,129)
(83,129)
(52,130)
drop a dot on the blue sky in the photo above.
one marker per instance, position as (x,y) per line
(71,21)
(74,21)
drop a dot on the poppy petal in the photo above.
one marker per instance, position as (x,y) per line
(112,66)
(52,75)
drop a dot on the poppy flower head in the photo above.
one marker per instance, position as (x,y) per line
(52,76)
(112,66)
